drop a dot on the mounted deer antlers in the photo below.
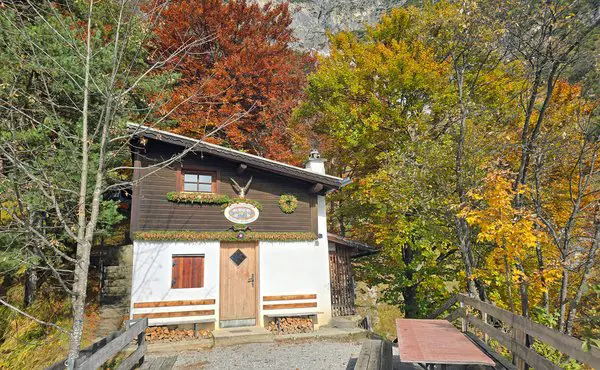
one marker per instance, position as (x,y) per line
(242,191)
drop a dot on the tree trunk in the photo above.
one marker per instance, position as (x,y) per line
(83,244)
(525,134)
(465,246)
(462,227)
(31,279)
(536,130)
(411,307)
(508,278)
(562,298)
(541,268)
(587,271)
(78,301)
(409,293)
(481,289)
(524,290)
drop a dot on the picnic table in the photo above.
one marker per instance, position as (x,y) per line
(436,342)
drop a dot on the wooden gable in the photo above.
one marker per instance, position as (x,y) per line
(152,211)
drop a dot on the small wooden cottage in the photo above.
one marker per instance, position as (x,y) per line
(229,238)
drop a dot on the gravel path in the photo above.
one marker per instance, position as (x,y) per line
(314,355)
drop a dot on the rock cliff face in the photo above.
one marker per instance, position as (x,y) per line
(313,18)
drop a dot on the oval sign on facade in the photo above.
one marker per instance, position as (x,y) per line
(241,213)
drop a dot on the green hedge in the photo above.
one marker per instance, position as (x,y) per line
(197,198)
(208,198)
(169,235)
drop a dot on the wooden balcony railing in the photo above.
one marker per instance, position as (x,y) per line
(512,332)
(102,351)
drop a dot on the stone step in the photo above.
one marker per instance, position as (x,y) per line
(345,322)
(242,335)
(117,272)
(111,319)
(116,314)
(116,291)
(113,256)
(117,284)
(114,299)
(161,348)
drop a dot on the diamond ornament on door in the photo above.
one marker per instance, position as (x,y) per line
(238,257)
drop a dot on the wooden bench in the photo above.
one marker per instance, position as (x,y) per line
(375,354)
(177,314)
(297,297)
(306,302)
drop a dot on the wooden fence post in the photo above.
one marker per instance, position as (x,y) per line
(463,321)
(519,337)
(484,318)
(140,342)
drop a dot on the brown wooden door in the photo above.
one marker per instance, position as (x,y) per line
(239,281)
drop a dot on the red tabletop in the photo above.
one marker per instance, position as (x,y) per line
(437,342)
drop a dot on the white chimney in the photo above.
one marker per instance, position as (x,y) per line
(315,163)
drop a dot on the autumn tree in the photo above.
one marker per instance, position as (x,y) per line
(373,101)
(385,123)
(566,194)
(547,38)
(403,205)
(413,85)
(465,35)
(244,68)
(72,76)
(554,232)
(510,230)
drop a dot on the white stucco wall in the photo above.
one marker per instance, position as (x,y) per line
(285,268)
(151,280)
(324,255)
(292,268)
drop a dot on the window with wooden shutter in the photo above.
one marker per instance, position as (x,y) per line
(188,272)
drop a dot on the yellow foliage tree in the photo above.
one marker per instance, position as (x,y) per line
(514,233)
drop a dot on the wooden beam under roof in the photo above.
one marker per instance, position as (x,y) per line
(241,168)
(316,188)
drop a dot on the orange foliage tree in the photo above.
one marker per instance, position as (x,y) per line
(238,85)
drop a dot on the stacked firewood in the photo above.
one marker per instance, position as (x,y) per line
(163,333)
(291,325)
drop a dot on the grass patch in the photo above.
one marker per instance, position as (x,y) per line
(174,235)
(25,344)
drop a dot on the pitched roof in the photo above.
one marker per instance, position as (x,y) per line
(362,248)
(328,181)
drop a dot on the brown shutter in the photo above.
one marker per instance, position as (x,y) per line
(187,272)
(197,278)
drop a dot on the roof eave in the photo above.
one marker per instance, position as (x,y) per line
(329,182)
(363,248)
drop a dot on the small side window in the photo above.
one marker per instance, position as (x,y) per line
(187,271)
(198,182)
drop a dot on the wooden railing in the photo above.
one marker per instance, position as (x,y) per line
(514,333)
(102,351)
